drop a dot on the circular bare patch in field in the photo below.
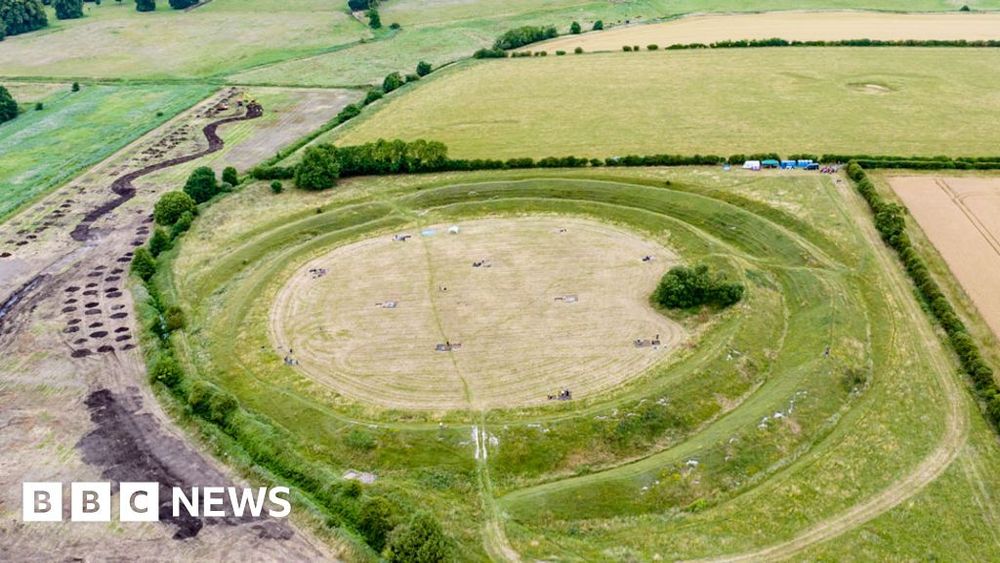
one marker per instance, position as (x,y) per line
(553,304)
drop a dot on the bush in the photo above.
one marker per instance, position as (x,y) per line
(171,206)
(276,187)
(8,106)
(626,48)
(411,78)
(181,4)
(167,371)
(652,47)
(230,176)
(202,185)
(376,518)
(182,225)
(210,402)
(575,28)
(374,20)
(560,53)
(319,168)
(598,25)
(173,318)
(421,540)
(143,264)
(392,82)
(423,68)
(68,9)
(373,95)
(494,53)
(39,106)
(578,50)
(521,36)
(145,5)
(159,242)
(685,288)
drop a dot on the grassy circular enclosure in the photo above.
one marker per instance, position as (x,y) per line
(801,389)
(501,313)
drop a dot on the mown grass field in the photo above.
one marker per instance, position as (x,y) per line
(840,100)
(220,37)
(751,438)
(42,149)
(443,32)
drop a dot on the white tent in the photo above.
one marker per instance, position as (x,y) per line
(751,165)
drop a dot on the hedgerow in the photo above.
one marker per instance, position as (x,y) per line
(890,222)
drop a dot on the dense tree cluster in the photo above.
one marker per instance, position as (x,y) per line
(22,16)
(685,288)
(778,42)
(68,9)
(520,36)
(8,106)
(202,185)
(319,168)
(172,206)
(891,224)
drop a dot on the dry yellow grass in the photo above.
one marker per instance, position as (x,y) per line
(801,26)
(518,342)
(961,217)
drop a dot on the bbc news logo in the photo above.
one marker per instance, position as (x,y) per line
(140,502)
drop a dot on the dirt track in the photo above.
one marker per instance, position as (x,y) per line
(74,405)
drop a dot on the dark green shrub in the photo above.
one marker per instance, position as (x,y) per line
(575,28)
(652,47)
(373,95)
(376,518)
(374,19)
(391,82)
(39,106)
(181,4)
(578,50)
(143,264)
(68,9)
(173,318)
(598,25)
(423,68)
(210,402)
(560,53)
(202,185)
(230,176)
(8,106)
(626,48)
(182,225)
(276,187)
(521,36)
(167,371)
(171,206)
(159,242)
(685,288)
(319,168)
(420,540)
(145,5)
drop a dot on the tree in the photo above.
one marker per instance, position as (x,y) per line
(201,185)
(159,242)
(276,187)
(392,82)
(575,28)
(230,176)
(145,5)
(143,264)
(172,206)
(684,288)
(373,95)
(22,16)
(375,520)
(421,540)
(75,87)
(181,4)
(598,25)
(319,168)
(166,371)
(8,107)
(68,9)
(374,20)
(423,68)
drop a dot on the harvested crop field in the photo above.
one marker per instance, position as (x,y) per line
(798,26)
(961,217)
(529,307)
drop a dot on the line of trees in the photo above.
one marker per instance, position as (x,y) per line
(21,16)
(778,42)
(521,36)
(890,221)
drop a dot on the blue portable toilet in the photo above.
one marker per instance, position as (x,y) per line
(804,163)
(787,164)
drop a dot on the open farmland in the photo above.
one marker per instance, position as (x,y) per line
(961,217)
(42,149)
(822,100)
(793,26)
(222,36)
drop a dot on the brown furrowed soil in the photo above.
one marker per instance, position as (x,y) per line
(961,217)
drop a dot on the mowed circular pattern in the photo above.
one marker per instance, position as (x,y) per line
(522,335)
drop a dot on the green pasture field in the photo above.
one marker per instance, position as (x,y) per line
(823,100)
(221,37)
(443,32)
(751,437)
(42,149)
